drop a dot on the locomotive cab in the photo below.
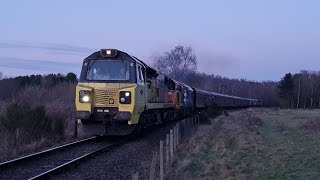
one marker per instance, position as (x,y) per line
(111,92)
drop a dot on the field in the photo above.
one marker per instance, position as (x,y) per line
(253,144)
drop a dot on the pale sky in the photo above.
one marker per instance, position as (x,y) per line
(251,39)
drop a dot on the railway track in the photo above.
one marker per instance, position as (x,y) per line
(42,165)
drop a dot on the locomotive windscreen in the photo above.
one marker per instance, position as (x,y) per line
(108,70)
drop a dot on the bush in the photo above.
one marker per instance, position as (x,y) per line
(31,123)
(214,110)
(210,112)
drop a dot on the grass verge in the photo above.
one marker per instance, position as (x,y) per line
(253,144)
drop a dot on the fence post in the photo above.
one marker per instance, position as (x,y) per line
(135,176)
(197,120)
(174,138)
(184,129)
(188,127)
(171,145)
(175,134)
(193,124)
(178,134)
(161,160)
(167,152)
(153,167)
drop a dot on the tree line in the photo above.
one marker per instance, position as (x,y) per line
(301,90)
(10,86)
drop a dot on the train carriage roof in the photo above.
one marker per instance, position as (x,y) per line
(123,55)
(118,55)
(183,84)
(202,91)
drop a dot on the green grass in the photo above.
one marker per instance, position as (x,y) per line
(279,149)
(291,153)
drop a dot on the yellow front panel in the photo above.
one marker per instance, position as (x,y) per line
(103,92)
(106,97)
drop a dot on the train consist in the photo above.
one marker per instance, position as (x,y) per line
(119,94)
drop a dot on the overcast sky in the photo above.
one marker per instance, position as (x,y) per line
(251,39)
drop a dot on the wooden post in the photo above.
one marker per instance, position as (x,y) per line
(184,129)
(197,118)
(178,133)
(161,160)
(167,153)
(188,127)
(135,176)
(177,136)
(193,124)
(171,145)
(174,138)
(153,167)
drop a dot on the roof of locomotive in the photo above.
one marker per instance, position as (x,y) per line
(119,55)
(122,56)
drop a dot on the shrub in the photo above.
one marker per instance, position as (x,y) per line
(210,112)
(32,123)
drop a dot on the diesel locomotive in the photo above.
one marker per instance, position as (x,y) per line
(119,94)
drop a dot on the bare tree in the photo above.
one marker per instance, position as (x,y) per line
(297,80)
(177,63)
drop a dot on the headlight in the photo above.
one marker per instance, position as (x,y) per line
(85,96)
(125,97)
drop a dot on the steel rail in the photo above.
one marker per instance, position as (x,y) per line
(47,174)
(45,152)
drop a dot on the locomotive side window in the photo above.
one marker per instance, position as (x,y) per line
(140,79)
(142,73)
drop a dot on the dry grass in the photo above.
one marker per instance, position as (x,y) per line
(312,125)
(210,153)
(253,144)
(58,102)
